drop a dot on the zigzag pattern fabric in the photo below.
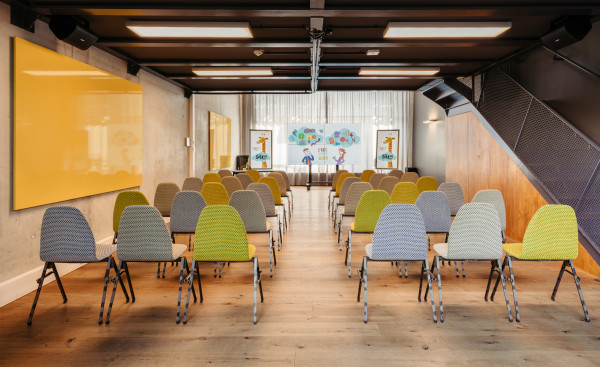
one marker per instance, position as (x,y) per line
(254,174)
(245,180)
(340,182)
(143,236)
(125,199)
(185,211)
(376,178)
(355,192)
(224,173)
(396,173)
(455,195)
(427,183)
(405,193)
(400,234)
(336,177)
(215,193)
(409,177)
(163,197)
(280,182)
(192,184)
(495,198)
(365,176)
(345,187)
(265,196)
(552,234)
(286,178)
(221,236)
(232,184)
(435,210)
(250,208)
(211,177)
(474,233)
(387,184)
(67,237)
(369,208)
(272,183)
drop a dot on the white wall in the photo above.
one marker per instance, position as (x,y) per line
(429,140)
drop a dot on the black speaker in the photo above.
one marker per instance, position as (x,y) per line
(65,28)
(133,68)
(573,30)
(240,161)
(22,17)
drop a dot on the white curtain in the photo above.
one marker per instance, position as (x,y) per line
(371,110)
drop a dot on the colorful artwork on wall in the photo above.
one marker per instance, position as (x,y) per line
(261,151)
(322,144)
(387,149)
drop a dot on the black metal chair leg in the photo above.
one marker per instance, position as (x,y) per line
(40,282)
(360,280)
(187,302)
(158,271)
(114,291)
(165,268)
(421,281)
(576,278)
(498,279)
(259,281)
(114,265)
(560,274)
(58,281)
(106,281)
(199,283)
(187,268)
(487,288)
(129,280)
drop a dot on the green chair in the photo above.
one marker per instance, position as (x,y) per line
(125,199)
(405,193)
(550,236)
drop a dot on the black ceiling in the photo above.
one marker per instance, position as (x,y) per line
(280,28)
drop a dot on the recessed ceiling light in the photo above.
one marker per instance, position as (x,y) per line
(383,71)
(445,29)
(191,29)
(372,52)
(230,71)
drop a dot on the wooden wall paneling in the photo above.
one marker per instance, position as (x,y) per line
(479,157)
(457,151)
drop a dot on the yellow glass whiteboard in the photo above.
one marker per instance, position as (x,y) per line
(219,141)
(77,129)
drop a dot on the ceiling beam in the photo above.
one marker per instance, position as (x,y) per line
(406,63)
(224,63)
(150,43)
(221,63)
(190,77)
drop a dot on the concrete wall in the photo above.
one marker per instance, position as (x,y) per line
(429,140)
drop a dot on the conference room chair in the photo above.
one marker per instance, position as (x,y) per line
(387,184)
(254,174)
(232,184)
(455,195)
(185,211)
(409,177)
(334,181)
(282,190)
(163,197)
(274,187)
(144,237)
(365,176)
(338,188)
(215,193)
(495,198)
(357,188)
(192,184)
(224,173)
(551,235)
(404,193)
(342,198)
(123,200)
(427,183)
(399,236)
(66,237)
(396,173)
(288,188)
(376,178)
(368,210)
(473,237)
(250,208)
(211,177)
(220,237)
(245,180)
(266,197)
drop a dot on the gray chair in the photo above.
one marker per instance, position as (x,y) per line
(343,196)
(375,179)
(455,195)
(163,197)
(387,184)
(185,211)
(232,184)
(288,188)
(245,179)
(66,237)
(399,236)
(144,237)
(192,184)
(282,189)
(353,196)
(495,198)
(266,196)
(334,180)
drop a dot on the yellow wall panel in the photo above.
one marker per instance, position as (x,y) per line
(77,129)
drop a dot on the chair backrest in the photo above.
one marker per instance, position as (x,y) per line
(376,178)
(474,233)
(224,173)
(185,211)
(366,175)
(400,234)
(495,198)
(369,208)
(435,210)
(396,173)
(143,235)
(163,197)
(340,181)
(345,187)
(220,235)
(250,208)
(286,178)
(125,199)
(387,184)
(551,234)
(232,184)
(211,177)
(405,193)
(266,196)
(66,236)
(280,182)
(409,177)
(354,194)
(427,183)
(245,179)
(214,193)
(455,195)
(254,174)
(335,178)
(192,184)
(272,183)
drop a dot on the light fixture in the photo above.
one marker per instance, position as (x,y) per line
(430,121)
(445,29)
(233,71)
(191,29)
(372,52)
(384,71)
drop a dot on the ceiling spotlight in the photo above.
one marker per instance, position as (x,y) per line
(258,52)
(372,52)
(384,71)
(191,29)
(445,29)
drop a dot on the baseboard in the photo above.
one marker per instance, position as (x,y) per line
(21,285)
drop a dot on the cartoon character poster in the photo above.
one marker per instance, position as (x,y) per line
(304,144)
(323,144)
(261,142)
(343,143)
(387,149)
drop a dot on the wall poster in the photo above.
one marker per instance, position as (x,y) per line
(261,151)
(387,149)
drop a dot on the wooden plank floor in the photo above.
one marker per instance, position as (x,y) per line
(310,316)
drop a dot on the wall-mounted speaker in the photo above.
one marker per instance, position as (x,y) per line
(573,30)
(65,28)
(133,68)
